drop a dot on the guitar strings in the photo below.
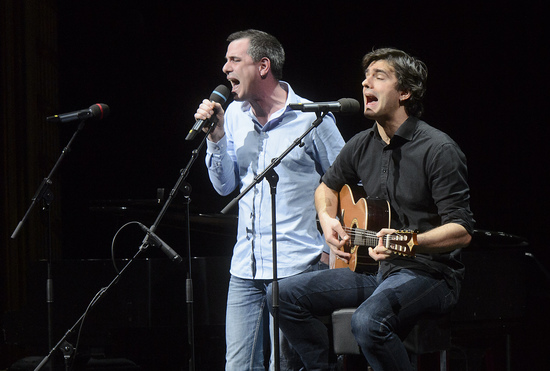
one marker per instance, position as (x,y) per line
(364,236)
(369,234)
(361,233)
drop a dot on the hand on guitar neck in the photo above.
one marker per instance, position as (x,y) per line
(380,251)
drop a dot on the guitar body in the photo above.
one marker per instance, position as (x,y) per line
(357,212)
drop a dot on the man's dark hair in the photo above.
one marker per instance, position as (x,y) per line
(411,75)
(263,45)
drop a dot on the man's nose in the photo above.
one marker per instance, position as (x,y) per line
(226,68)
(366,83)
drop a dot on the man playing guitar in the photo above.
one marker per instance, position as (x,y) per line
(420,174)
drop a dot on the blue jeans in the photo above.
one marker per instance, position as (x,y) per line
(386,310)
(247,326)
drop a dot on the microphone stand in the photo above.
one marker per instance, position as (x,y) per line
(181,184)
(272,177)
(67,347)
(45,194)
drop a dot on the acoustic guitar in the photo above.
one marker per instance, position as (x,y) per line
(362,218)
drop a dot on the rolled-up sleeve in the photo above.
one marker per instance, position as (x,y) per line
(450,188)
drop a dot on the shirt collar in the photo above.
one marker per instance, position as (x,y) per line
(405,131)
(290,98)
(276,117)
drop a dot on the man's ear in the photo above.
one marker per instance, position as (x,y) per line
(405,94)
(264,67)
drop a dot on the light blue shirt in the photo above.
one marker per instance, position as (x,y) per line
(244,152)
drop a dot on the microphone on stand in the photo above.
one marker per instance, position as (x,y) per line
(344,105)
(98,110)
(155,240)
(219,95)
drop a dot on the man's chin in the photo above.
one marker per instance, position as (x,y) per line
(236,97)
(369,115)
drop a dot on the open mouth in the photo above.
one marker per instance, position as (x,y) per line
(370,100)
(234,84)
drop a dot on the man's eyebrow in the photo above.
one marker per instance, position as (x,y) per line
(378,70)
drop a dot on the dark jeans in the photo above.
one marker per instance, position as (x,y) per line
(386,309)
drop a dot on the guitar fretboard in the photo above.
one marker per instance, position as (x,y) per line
(362,237)
(400,242)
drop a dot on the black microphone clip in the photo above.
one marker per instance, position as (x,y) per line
(154,240)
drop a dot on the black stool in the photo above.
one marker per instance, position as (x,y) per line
(429,335)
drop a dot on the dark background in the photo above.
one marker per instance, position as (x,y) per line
(153,62)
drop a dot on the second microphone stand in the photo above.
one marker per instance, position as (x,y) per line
(181,184)
(45,194)
(272,177)
(67,348)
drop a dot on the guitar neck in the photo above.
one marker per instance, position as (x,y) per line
(401,242)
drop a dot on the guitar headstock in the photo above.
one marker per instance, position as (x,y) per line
(401,243)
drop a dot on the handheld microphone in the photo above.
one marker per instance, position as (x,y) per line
(155,240)
(344,105)
(219,95)
(98,110)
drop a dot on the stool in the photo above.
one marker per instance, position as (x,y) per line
(429,335)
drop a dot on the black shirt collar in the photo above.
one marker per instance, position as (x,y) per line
(405,131)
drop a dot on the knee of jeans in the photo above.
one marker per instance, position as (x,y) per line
(368,329)
(286,292)
(269,296)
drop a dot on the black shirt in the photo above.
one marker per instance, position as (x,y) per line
(423,175)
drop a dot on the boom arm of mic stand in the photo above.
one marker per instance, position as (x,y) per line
(43,190)
(274,162)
